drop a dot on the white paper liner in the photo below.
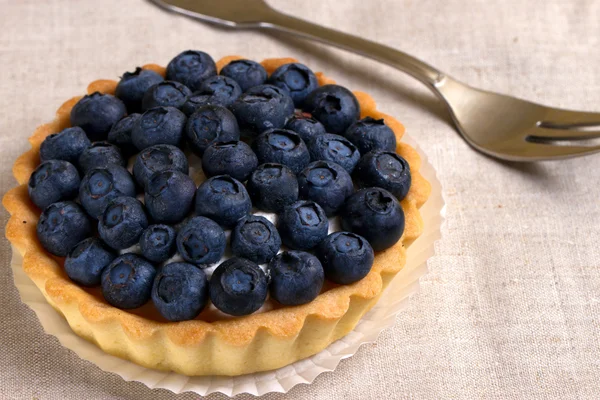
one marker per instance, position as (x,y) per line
(381,316)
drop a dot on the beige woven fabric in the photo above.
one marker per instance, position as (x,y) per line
(511,306)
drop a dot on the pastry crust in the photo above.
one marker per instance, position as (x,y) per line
(234,346)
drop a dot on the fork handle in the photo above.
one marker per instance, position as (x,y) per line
(385,54)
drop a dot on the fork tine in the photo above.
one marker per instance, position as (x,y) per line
(547,151)
(541,133)
(566,119)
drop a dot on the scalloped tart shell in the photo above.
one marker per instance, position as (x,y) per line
(235,346)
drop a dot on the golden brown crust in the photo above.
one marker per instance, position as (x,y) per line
(233,346)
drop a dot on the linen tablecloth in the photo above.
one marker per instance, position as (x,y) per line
(510,307)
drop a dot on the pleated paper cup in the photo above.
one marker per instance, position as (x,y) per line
(381,316)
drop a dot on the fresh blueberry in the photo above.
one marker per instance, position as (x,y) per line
(191,68)
(96,114)
(238,287)
(127,281)
(165,94)
(370,134)
(160,125)
(133,86)
(262,107)
(346,257)
(255,238)
(296,277)
(195,101)
(334,106)
(334,148)
(384,169)
(100,155)
(246,73)
(327,184)
(53,181)
(210,124)
(217,90)
(201,241)
(87,260)
(375,214)
(66,145)
(100,186)
(233,158)
(122,223)
(161,157)
(223,199)
(158,243)
(282,147)
(169,196)
(302,225)
(120,134)
(220,90)
(180,291)
(305,126)
(61,226)
(297,79)
(272,187)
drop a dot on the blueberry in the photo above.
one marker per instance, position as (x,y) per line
(238,287)
(305,126)
(296,277)
(220,90)
(346,257)
(370,134)
(255,238)
(133,86)
(191,68)
(223,199)
(334,106)
(217,90)
(100,186)
(335,148)
(158,243)
(201,241)
(127,281)
(195,101)
(375,214)
(53,181)
(61,226)
(180,291)
(233,158)
(302,225)
(282,147)
(161,157)
(160,125)
(246,73)
(384,169)
(66,145)
(87,260)
(297,79)
(122,223)
(262,107)
(272,187)
(96,114)
(210,124)
(120,134)
(100,155)
(165,94)
(327,184)
(169,196)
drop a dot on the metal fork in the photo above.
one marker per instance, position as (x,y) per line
(498,125)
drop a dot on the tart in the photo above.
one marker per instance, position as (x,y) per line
(218,337)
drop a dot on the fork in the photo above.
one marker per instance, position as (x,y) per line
(498,125)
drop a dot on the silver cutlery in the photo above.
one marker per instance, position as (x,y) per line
(498,125)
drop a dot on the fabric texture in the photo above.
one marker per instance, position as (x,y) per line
(511,306)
